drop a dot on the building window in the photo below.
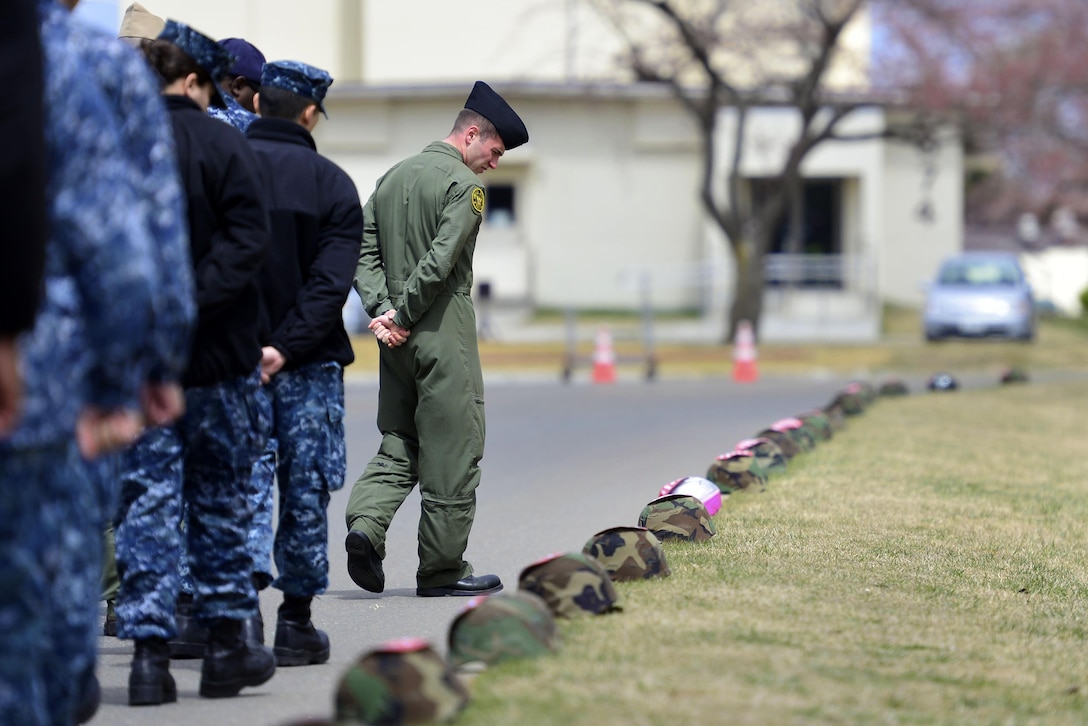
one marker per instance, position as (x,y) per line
(500,211)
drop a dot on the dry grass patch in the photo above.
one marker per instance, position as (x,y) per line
(927,565)
(902,351)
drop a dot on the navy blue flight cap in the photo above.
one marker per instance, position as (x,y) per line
(298,78)
(209,55)
(495,109)
(248,60)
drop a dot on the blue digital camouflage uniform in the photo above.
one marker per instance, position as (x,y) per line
(201,458)
(205,458)
(316,232)
(234,114)
(308,416)
(259,493)
(89,346)
(133,93)
(259,540)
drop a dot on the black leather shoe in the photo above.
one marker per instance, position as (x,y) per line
(191,636)
(471,585)
(149,681)
(231,664)
(299,644)
(364,565)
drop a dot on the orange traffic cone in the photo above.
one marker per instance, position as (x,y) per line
(744,354)
(604,358)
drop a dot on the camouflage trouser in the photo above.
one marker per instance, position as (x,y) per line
(431,415)
(308,424)
(106,470)
(51,521)
(111,583)
(204,460)
(259,494)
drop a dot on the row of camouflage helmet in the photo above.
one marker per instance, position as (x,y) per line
(753,461)
(408,682)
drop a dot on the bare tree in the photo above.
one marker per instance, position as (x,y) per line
(742,55)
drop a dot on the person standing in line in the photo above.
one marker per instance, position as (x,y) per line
(204,460)
(139,114)
(240,84)
(415,280)
(22,195)
(84,363)
(236,88)
(317,227)
(137,25)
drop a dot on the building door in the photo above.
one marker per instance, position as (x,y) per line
(820,219)
(806,246)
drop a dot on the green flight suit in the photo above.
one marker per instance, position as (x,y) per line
(419,234)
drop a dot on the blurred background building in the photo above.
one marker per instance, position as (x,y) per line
(600,210)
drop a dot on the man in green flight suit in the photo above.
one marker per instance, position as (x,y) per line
(415,278)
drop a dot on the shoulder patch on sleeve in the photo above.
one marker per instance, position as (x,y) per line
(478,200)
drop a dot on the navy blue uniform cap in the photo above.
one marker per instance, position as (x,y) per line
(298,78)
(484,101)
(208,54)
(248,60)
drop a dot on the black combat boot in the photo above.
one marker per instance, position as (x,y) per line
(90,696)
(231,664)
(298,642)
(109,625)
(191,637)
(253,629)
(149,681)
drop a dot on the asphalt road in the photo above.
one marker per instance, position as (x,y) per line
(562,462)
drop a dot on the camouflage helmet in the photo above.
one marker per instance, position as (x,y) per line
(786,443)
(835,416)
(942,382)
(502,627)
(818,423)
(737,471)
(1014,374)
(863,389)
(400,682)
(851,404)
(894,387)
(795,429)
(571,584)
(677,516)
(628,553)
(769,456)
(702,489)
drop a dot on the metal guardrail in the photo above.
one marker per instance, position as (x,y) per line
(827,285)
(853,272)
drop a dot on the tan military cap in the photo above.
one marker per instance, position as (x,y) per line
(139,24)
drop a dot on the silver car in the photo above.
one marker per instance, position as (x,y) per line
(979,294)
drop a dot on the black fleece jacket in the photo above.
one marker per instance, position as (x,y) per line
(228,234)
(317,229)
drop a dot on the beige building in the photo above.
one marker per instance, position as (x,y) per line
(601,205)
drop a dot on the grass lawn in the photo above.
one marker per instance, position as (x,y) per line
(928,565)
